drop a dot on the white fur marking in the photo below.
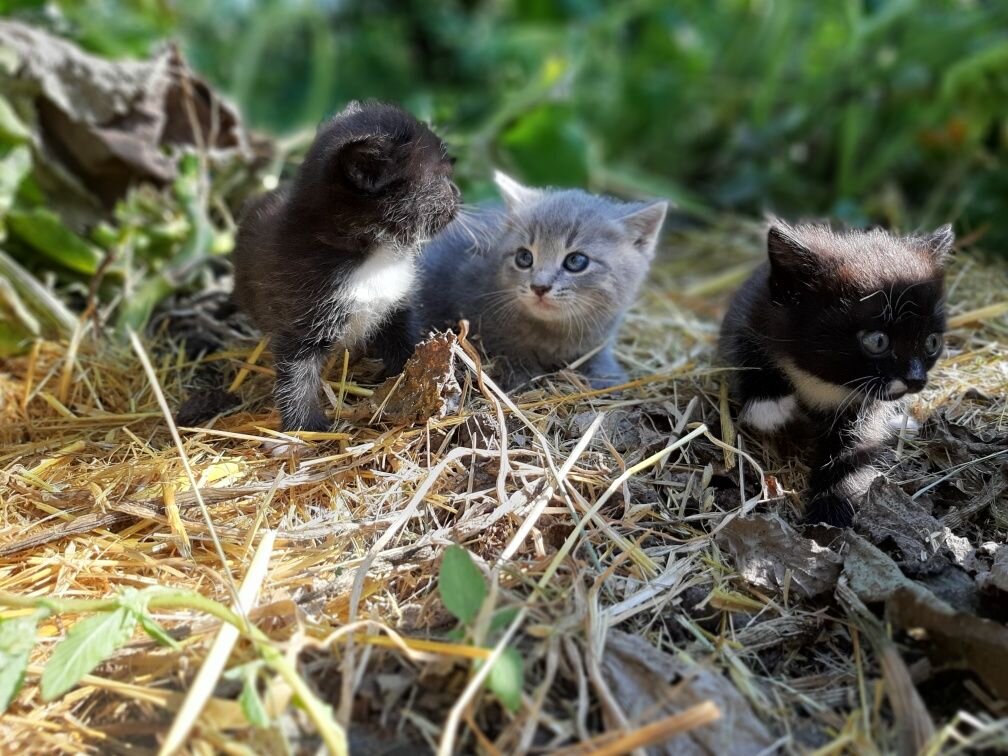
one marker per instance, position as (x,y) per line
(896,387)
(814,391)
(857,483)
(768,415)
(384,279)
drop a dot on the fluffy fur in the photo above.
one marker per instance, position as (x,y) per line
(330,258)
(539,316)
(831,332)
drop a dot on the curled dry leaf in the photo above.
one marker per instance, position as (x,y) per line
(426,388)
(649,684)
(766,548)
(104,124)
(917,542)
(957,637)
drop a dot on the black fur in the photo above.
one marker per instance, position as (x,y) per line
(374,180)
(795,329)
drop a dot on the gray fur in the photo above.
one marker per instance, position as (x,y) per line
(469,271)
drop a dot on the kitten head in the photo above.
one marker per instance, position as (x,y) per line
(572,258)
(863,310)
(375,170)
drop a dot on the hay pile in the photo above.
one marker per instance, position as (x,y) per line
(621,532)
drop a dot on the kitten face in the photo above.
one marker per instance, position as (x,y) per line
(572,258)
(862,310)
(378,171)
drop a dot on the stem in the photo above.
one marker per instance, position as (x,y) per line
(319,712)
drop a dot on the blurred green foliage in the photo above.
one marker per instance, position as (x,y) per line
(890,111)
(866,110)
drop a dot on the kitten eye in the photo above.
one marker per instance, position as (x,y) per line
(524,258)
(575,262)
(874,342)
(933,344)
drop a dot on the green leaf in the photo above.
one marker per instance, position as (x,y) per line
(43,230)
(502,618)
(12,128)
(549,146)
(250,702)
(461,584)
(14,166)
(87,645)
(506,678)
(155,631)
(17,638)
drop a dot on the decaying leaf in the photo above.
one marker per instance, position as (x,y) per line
(766,549)
(104,124)
(957,637)
(916,541)
(426,388)
(648,684)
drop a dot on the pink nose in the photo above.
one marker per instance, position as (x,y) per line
(540,290)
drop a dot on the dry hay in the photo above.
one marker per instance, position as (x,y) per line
(633,610)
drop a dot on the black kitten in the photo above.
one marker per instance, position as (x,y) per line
(330,258)
(830,333)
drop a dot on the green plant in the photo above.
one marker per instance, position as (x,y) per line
(112,624)
(463,592)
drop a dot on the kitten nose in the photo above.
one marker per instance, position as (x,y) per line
(540,289)
(916,376)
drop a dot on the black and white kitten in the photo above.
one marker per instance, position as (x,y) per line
(330,258)
(543,280)
(830,333)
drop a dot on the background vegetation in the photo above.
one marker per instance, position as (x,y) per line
(868,111)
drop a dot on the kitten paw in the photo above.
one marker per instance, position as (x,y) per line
(830,509)
(315,423)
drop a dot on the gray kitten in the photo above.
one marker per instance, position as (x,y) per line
(543,281)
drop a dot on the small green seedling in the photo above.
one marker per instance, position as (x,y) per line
(463,591)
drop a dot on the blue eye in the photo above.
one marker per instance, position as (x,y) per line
(575,262)
(523,258)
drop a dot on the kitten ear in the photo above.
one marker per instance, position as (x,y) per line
(643,226)
(938,244)
(514,194)
(366,163)
(788,255)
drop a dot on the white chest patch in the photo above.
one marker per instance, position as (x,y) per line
(814,391)
(768,415)
(384,280)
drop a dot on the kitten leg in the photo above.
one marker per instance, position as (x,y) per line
(603,371)
(394,342)
(298,383)
(768,401)
(851,455)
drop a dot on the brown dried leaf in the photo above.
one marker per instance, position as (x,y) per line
(916,541)
(648,684)
(105,123)
(426,388)
(958,637)
(765,548)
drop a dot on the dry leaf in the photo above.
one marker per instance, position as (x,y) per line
(648,684)
(426,388)
(958,638)
(105,123)
(765,548)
